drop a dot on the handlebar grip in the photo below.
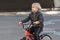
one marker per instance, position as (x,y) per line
(26,24)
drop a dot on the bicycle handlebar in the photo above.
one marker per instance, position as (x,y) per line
(25,26)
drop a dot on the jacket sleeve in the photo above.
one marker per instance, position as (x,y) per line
(41,19)
(26,19)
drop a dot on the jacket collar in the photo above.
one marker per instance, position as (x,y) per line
(35,13)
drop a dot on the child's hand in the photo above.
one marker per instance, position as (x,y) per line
(37,22)
(20,23)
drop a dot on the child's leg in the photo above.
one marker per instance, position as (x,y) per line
(37,31)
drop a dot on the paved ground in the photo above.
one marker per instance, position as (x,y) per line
(9,30)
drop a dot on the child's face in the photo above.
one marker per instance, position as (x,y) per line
(34,9)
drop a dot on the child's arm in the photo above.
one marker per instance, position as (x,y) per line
(41,19)
(26,19)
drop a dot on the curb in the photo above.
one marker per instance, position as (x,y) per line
(7,13)
(44,13)
(53,13)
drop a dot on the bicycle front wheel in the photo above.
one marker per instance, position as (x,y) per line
(29,38)
(46,37)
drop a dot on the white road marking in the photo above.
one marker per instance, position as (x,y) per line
(51,21)
(51,30)
(48,22)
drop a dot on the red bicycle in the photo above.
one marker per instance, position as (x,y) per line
(29,36)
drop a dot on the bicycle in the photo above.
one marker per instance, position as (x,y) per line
(29,36)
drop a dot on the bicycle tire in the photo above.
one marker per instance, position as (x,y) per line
(46,36)
(29,38)
(24,38)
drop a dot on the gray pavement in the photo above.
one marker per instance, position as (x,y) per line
(9,29)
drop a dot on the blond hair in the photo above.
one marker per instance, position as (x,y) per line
(37,5)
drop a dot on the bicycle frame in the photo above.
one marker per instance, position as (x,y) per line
(30,36)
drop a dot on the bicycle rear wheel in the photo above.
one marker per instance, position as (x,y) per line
(46,37)
(24,38)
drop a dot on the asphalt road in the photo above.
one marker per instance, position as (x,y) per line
(9,29)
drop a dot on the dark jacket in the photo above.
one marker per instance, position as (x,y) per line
(34,17)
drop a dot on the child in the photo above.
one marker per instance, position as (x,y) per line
(36,18)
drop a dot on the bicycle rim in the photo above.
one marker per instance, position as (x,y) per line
(46,37)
